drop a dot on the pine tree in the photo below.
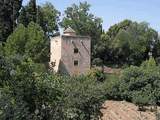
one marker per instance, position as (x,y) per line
(29,42)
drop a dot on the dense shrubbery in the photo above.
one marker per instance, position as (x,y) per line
(140,85)
(97,74)
(83,98)
(28,92)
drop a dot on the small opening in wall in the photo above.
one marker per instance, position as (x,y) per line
(53,64)
(75,62)
(76,50)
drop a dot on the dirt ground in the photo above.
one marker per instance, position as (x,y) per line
(121,110)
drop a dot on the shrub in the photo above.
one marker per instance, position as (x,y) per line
(97,74)
(83,98)
(39,95)
(141,84)
(97,62)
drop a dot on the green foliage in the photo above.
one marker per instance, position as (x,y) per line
(12,108)
(127,43)
(142,98)
(16,41)
(50,19)
(29,93)
(97,62)
(29,42)
(9,11)
(141,84)
(83,22)
(83,98)
(28,13)
(151,63)
(46,16)
(111,87)
(97,74)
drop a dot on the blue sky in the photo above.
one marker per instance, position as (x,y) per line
(114,11)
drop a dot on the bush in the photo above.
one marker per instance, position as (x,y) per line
(83,98)
(97,74)
(39,95)
(141,98)
(97,62)
(141,85)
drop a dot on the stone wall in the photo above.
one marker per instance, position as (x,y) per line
(55,52)
(83,56)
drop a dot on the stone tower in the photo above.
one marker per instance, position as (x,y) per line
(70,53)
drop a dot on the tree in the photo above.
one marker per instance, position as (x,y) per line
(50,19)
(9,11)
(29,42)
(28,13)
(104,49)
(83,22)
(27,93)
(128,43)
(46,16)
(101,49)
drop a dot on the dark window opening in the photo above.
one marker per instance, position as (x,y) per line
(53,64)
(75,62)
(76,50)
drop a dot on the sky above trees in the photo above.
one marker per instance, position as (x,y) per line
(114,11)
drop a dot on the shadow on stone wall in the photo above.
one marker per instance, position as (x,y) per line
(62,69)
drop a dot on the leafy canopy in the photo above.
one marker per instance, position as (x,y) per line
(46,16)
(27,41)
(9,12)
(82,21)
(127,43)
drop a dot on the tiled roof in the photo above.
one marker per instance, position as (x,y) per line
(69,30)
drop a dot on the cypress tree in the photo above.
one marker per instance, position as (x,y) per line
(9,11)
(28,13)
(46,16)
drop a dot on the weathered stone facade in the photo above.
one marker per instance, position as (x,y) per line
(70,54)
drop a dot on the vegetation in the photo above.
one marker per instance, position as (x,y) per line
(9,12)
(29,91)
(83,22)
(139,85)
(46,16)
(127,43)
(29,42)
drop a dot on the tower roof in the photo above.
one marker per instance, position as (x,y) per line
(69,31)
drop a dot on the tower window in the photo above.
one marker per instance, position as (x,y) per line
(53,64)
(75,62)
(76,50)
